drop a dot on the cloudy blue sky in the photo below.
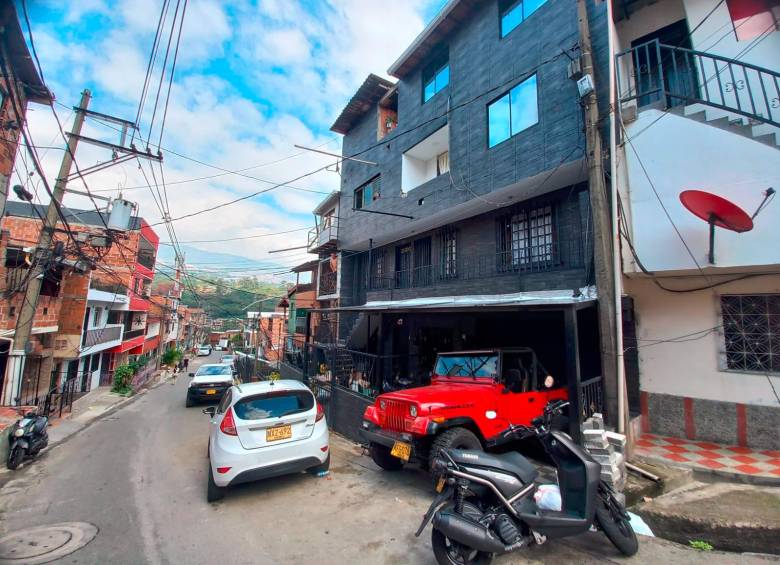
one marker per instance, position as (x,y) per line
(253,78)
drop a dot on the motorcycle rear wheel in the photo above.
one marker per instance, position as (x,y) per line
(613,521)
(15,458)
(450,552)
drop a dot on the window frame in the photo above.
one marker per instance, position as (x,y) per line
(724,364)
(376,192)
(508,94)
(448,253)
(506,6)
(436,64)
(526,258)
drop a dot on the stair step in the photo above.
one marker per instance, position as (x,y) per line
(769,139)
(763,129)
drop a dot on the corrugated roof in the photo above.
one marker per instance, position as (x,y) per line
(19,56)
(454,14)
(74,216)
(366,97)
(305,267)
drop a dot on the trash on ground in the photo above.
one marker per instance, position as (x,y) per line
(640,526)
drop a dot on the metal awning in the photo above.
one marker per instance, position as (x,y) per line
(582,296)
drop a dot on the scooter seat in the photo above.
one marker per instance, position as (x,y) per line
(511,462)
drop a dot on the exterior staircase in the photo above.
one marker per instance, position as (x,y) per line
(735,123)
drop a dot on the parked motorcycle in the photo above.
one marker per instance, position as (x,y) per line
(486,505)
(28,436)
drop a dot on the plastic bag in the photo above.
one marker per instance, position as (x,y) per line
(548,497)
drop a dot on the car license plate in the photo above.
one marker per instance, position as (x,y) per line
(440,484)
(401,450)
(211,391)
(278,433)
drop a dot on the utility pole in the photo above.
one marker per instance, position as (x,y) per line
(42,254)
(602,231)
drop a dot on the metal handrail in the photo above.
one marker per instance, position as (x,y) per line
(752,91)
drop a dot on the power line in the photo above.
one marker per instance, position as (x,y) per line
(240,238)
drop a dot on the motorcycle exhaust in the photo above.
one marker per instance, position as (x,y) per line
(467,532)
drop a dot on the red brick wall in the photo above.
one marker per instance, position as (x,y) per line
(9,135)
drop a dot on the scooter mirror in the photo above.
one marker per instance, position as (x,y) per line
(549,381)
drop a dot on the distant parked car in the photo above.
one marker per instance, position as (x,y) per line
(227,359)
(204,351)
(209,383)
(217,348)
(265,429)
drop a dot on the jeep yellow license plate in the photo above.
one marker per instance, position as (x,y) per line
(401,450)
(211,391)
(278,433)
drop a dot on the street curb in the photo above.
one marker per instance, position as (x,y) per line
(703,472)
(6,475)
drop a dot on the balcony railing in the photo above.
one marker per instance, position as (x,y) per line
(540,258)
(673,76)
(323,235)
(111,332)
(132,334)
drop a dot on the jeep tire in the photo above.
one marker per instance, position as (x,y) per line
(454,438)
(381,456)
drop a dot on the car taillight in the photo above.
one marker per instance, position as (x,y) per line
(228,425)
(320,413)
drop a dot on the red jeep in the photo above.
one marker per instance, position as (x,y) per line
(472,398)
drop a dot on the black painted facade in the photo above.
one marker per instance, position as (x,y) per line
(483,67)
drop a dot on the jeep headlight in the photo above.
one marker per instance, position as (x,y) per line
(413,410)
(19,432)
(383,404)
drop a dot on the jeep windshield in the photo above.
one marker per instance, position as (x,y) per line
(476,366)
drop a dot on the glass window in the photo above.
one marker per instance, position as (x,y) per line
(367,193)
(751,331)
(274,405)
(527,238)
(512,14)
(214,370)
(514,112)
(436,76)
(225,402)
(98,313)
(449,253)
(467,366)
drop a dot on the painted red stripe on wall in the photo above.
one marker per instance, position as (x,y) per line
(741,425)
(690,425)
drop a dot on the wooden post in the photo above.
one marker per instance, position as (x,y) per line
(602,229)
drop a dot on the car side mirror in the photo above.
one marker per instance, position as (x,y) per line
(210,411)
(192,374)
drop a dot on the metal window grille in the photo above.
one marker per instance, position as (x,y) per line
(378,269)
(527,237)
(751,328)
(448,245)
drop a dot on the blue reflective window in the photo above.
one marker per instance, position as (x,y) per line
(436,76)
(512,14)
(514,112)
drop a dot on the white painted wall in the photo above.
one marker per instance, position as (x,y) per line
(692,367)
(679,154)
(715,36)
(418,164)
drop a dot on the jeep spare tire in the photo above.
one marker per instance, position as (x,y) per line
(381,456)
(454,438)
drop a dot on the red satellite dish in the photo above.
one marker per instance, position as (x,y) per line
(716,210)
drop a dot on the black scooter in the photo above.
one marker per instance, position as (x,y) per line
(28,436)
(486,505)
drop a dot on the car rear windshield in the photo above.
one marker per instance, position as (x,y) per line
(467,366)
(274,405)
(216,370)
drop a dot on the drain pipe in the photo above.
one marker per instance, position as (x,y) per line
(617,264)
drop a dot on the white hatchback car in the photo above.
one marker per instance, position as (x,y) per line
(265,429)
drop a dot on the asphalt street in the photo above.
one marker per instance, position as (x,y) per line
(139,475)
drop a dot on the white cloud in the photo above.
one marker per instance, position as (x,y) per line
(251,81)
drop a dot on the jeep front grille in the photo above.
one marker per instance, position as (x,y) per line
(396,414)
